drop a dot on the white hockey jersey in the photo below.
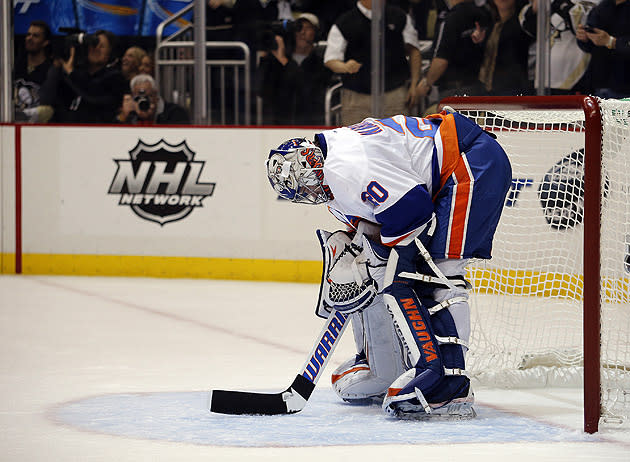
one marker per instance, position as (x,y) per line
(401,171)
(384,171)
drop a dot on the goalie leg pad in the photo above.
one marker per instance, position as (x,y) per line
(381,342)
(456,297)
(411,318)
(428,330)
(354,381)
(453,325)
(378,363)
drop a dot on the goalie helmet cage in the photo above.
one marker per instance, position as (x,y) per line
(552,307)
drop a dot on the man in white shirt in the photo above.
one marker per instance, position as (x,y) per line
(348,53)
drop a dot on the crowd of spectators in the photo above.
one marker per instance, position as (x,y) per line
(83,78)
(299,48)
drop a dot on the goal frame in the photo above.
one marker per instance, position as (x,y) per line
(592,223)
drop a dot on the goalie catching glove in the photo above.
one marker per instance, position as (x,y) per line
(352,273)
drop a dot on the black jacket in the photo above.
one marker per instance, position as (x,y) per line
(81,97)
(293,94)
(453,43)
(510,71)
(356,28)
(610,68)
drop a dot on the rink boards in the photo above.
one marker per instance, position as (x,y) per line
(191,202)
(169,201)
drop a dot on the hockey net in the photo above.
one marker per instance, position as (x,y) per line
(533,320)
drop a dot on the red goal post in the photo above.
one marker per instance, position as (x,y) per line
(551,121)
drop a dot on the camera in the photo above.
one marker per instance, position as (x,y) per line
(80,41)
(143,101)
(285,29)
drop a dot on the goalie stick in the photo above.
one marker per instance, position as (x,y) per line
(294,398)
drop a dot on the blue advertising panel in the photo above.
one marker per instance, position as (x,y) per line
(157,11)
(56,13)
(122,17)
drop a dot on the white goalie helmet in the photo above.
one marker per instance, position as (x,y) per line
(296,171)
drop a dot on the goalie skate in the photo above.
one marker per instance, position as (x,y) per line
(456,409)
(412,405)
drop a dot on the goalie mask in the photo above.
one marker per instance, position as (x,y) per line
(295,171)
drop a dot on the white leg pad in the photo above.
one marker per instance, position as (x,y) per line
(358,331)
(354,381)
(374,334)
(381,342)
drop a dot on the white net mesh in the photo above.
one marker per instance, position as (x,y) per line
(615,263)
(527,302)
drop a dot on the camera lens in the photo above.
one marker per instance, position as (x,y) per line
(143,103)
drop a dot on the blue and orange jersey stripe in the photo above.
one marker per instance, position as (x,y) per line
(455,166)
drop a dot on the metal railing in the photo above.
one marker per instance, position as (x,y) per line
(6,62)
(332,111)
(175,62)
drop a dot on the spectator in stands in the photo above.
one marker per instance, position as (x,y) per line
(348,53)
(606,37)
(220,20)
(419,11)
(239,20)
(567,62)
(86,90)
(31,69)
(504,66)
(245,17)
(145,106)
(131,62)
(147,66)
(457,52)
(293,79)
(327,11)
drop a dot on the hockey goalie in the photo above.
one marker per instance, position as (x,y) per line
(420,196)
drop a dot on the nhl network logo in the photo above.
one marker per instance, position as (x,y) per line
(160,182)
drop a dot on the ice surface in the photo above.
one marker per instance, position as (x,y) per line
(325,421)
(119,369)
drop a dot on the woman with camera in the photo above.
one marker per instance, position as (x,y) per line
(85,86)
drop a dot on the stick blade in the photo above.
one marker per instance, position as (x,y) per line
(241,402)
(292,400)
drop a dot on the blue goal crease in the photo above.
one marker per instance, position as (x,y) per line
(325,421)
